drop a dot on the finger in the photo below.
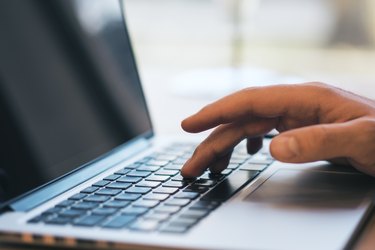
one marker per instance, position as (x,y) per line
(220,164)
(313,143)
(222,141)
(267,102)
(254,144)
(210,150)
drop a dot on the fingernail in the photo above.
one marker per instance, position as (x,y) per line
(287,147)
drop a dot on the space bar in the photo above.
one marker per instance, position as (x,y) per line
(228,187)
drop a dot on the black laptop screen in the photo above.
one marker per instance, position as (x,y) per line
(69,89)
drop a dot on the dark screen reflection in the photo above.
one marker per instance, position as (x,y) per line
(69,89)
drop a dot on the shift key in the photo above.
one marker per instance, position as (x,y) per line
(229,186)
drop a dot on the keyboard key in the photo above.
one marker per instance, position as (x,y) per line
(236,161)
(157,216)
(145,225)
(187,195)
(167,209)
(89,220)
(205,205)
(128,197)
(72,213)
(148,168)
(85,205)
(167,172)
(212,176)
(78,196)
(123,171)
(108,191)
(149,184)
(166,190)
(226,171)
(261,159)
(174,229)
(177,202)
(173,166)
(135,165)
(166,157)
(111,177)
(160,178)
(96,198)
(229,186)
(204,183)
(252,166)
(129,179)
(37,219)
(143,160)
(233,166)
(175,184)
(184,222)
(138,190)
(52,210)
(198,189)
(194,213)
(159,197)
(100,183)
(120,221)
(58,220)
(159,163)
(89,190)
(136,173)
(180,161)
(135,210)
(116,203)
(146,203)
(65,203)
(180,178)
(104,211)
(119,185)
(238,156)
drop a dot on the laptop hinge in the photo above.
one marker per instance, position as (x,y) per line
(5,209)
(80,175)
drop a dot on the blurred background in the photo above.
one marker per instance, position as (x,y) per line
(191,52)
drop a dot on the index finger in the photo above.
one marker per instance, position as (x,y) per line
(265,102)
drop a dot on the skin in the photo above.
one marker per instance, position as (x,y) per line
(316,122)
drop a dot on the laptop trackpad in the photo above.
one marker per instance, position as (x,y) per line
(312,189)
(304,209)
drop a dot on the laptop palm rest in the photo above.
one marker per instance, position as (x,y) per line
(296,209)
(308,209)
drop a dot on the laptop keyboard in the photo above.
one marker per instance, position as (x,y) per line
(151,195)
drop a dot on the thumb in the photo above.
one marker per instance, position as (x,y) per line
(313,143)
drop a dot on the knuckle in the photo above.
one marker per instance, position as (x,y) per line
(199,149)
(323,89)
(247,89)
(364,139)
(207,150)
(319,137)
(366,126)
(324,135)
(205,109)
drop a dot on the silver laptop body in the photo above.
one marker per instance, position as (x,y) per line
(77,123)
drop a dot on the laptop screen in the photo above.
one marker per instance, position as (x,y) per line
(69,89)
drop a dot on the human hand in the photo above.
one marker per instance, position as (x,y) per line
(316,122)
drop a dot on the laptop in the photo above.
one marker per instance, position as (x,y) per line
(81,166)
